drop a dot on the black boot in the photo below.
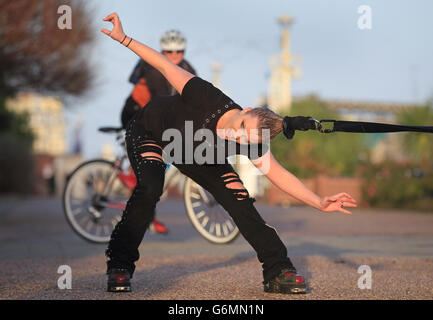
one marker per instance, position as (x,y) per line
(119,280)
(286,282)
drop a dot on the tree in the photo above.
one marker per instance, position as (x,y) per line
(35,54)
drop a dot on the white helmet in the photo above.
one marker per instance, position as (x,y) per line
(172,40)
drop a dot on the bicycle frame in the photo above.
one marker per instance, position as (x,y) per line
(117,184)
(129,180)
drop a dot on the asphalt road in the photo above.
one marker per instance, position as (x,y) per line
(327,249)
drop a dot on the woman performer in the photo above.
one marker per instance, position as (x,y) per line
(200,104)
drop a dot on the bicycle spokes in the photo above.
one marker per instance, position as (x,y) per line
(207,215)
(94,199)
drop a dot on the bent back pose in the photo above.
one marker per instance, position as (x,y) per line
(206,107)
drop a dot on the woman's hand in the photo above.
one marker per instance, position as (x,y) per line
(117,32)
(337,202)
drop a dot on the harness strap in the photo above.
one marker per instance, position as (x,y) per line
(290,124)
(373,127)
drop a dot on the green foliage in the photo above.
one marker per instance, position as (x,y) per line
(310,153)
(398,185)
(404,185)
(419,146)
(16,163)
(15,124)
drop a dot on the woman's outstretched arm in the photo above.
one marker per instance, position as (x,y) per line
(287,182)
(177,76)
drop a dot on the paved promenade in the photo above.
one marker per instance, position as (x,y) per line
(327,249)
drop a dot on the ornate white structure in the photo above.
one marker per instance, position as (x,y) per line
(216,74)
(279,88)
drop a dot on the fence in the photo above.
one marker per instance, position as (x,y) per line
(322,185)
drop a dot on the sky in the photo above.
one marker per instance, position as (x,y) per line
(391,62)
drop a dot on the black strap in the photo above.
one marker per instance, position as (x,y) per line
(373,127)
(290,124)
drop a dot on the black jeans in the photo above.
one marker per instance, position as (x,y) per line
(129,110)
(122,250)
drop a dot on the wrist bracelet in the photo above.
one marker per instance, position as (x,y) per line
(129,42)
(121,42)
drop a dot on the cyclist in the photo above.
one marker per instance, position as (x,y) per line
(206,106)
(149,82)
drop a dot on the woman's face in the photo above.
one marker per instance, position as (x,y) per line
(245,127)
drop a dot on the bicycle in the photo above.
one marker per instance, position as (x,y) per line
(96,192)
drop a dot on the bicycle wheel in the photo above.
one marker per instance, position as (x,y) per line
(92,207)
(209,218)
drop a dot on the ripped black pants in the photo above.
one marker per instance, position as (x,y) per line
(220,180)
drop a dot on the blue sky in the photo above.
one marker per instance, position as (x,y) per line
(392,62)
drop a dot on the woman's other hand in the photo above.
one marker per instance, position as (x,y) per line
(337,202)
(117,32)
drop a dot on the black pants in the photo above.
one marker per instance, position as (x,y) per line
(139,212)
(129,110)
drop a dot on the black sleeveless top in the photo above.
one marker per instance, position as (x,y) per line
(188,122)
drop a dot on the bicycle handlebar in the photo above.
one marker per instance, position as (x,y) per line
(110,129)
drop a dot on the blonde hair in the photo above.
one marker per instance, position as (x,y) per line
(267,120)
